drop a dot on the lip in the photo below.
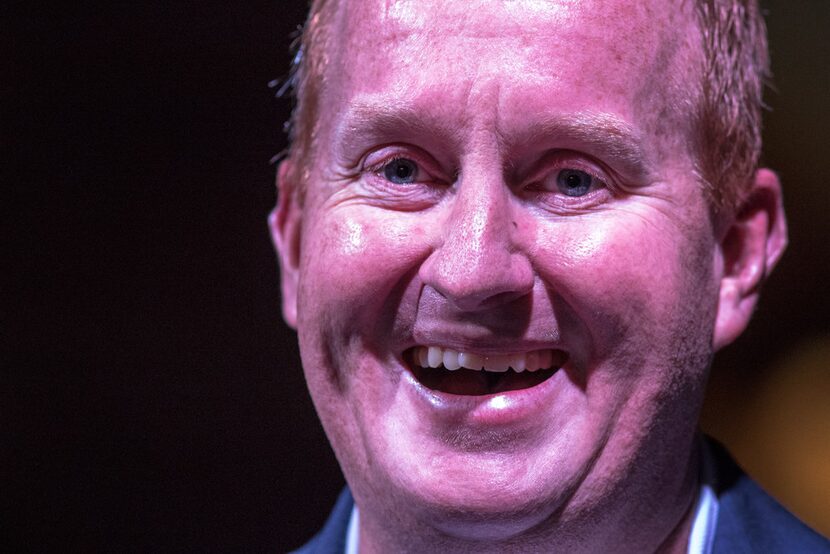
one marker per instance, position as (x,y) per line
(490,410)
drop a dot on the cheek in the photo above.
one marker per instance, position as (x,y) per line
(634,281)
(356,264)
(353,261)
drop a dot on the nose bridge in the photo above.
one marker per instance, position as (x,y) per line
(477,231)
(479,263)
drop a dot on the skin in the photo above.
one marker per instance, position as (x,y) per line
(634,280)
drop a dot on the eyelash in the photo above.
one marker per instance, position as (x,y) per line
(377,168)
(423,192)
(381,168)
(534,188)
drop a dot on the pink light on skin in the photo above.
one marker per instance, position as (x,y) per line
(353,238)
(404,14)
(475,243)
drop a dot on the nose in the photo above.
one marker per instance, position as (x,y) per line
(480,262)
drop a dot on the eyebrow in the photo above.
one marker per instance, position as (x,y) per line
(393,120)
(601,134)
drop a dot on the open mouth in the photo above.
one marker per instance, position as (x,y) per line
(464,373)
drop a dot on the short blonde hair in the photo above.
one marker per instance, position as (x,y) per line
(728,118)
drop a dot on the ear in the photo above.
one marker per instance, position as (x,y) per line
(284,222)
(751,247)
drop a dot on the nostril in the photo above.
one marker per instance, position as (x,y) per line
(506,314)
(477,263)
(501,298)
(478,284)
(489,288)
(479,299)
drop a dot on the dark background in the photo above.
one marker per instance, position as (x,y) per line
(151,396)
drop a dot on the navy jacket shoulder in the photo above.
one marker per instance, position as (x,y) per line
(749,520)
(332,537)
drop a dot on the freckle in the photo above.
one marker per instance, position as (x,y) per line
(515,225)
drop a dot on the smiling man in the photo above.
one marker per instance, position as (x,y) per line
(512,234)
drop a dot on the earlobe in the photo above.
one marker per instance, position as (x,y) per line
(284,223)
(750,249)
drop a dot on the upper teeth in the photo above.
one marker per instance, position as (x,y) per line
(435,356)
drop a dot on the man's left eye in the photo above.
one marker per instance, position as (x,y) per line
(401,171)
(573,182)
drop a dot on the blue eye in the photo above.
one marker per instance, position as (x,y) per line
(573,182)
(401,171)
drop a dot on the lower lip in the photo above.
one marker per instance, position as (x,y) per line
(505,408)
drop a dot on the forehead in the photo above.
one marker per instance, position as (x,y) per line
(515,59)
(368,24)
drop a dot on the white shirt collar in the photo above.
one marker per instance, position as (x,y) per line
(352,539)
(706,511)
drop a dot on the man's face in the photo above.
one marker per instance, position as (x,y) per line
(509,181)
